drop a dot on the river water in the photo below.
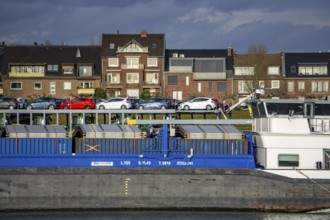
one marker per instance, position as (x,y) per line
(162,215)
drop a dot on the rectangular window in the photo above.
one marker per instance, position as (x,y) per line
(210,86)
(275,84)
(177,95)
(27,69)
(152,78)
(273,70)
(288,160)
(313,70)
(113,78)
(132,62)
(67,69)
(112,46)
(16,86)
(113,62)
(152,62)
(244,71)
(221,87)
(52,88)
(132,78)
(52,68)
(37,86)
(85,70)
(320,86)
(261,84)
(301,85)
(172,80)
(86,85)
(290,86)
(245,87)
(199,87)
(293,69)
(187,81)
(67,85)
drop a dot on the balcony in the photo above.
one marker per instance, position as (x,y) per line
(181,69)
(210,76)
(26,75)
(125,66)
(86,91)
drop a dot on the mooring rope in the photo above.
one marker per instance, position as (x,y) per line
(313,181)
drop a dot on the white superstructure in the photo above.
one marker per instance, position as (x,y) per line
(291,137)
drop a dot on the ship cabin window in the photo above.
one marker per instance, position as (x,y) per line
(258,109)
(285,108)
(288,160)
(322,109)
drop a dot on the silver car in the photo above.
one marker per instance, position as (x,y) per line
(198,103)
(115,103)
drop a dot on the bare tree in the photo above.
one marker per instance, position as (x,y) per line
(257,49)
(48,42)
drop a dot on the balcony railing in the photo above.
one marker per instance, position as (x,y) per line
(17,74)
(125,66)
(86,91)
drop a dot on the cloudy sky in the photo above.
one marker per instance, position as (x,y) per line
(280,25)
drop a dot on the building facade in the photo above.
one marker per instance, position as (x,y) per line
(133,64)
(54,71)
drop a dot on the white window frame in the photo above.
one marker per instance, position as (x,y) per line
(67,69)
(291,86)
(152,62)
(67,85)
(244,71)
(136,80)
(154,76)
(52,88)
(89,85)
(199,87)
(35,88)
(261,84)
(301,85)
(273,70)
(177,95)
(320,86)
(187,81)
(11,88)
(112,76)
(275,84)
(245,86)
(113,62)
(133,62)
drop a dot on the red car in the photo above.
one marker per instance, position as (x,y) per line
(79,103)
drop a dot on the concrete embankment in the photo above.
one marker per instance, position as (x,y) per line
(103,188)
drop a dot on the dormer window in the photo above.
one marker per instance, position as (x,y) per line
(112,46)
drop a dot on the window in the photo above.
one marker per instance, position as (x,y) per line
(52,67)
(152,78)
(177,95)
(261,84)
(132,62)
(27,69)
(301,85)
(113,62)
(290,86)
(210,86)
(245,87)
(16,86)
(132,78)
(134,93)
(112,46)
(86,85)
(293,69)
(37,86)
(67,69)
(312,70)
(52,88)
(199,87)
(172,80)
(187,80)
(320,86)
(287,160)
(154,45)
(152,62)
(275,84)
(67,85)
(113,78)
(221,87)
(244,71)
(85,70)
(273,70)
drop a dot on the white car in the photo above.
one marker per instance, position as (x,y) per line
(198,103)
(114,103)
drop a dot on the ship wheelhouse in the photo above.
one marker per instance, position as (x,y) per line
(291,134)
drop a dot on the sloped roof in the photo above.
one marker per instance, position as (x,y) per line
(52,55)
(154,42)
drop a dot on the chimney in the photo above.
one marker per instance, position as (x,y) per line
(229,51)
(144,33)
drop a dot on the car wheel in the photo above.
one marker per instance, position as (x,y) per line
(87,107)
(11,107)
(141,107)
(51,107)
(123,107)
(208,107)
(162,107)
(29,107)
(186,107)
(65,107)
(101,107)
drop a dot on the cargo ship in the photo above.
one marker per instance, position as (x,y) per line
(282,165)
